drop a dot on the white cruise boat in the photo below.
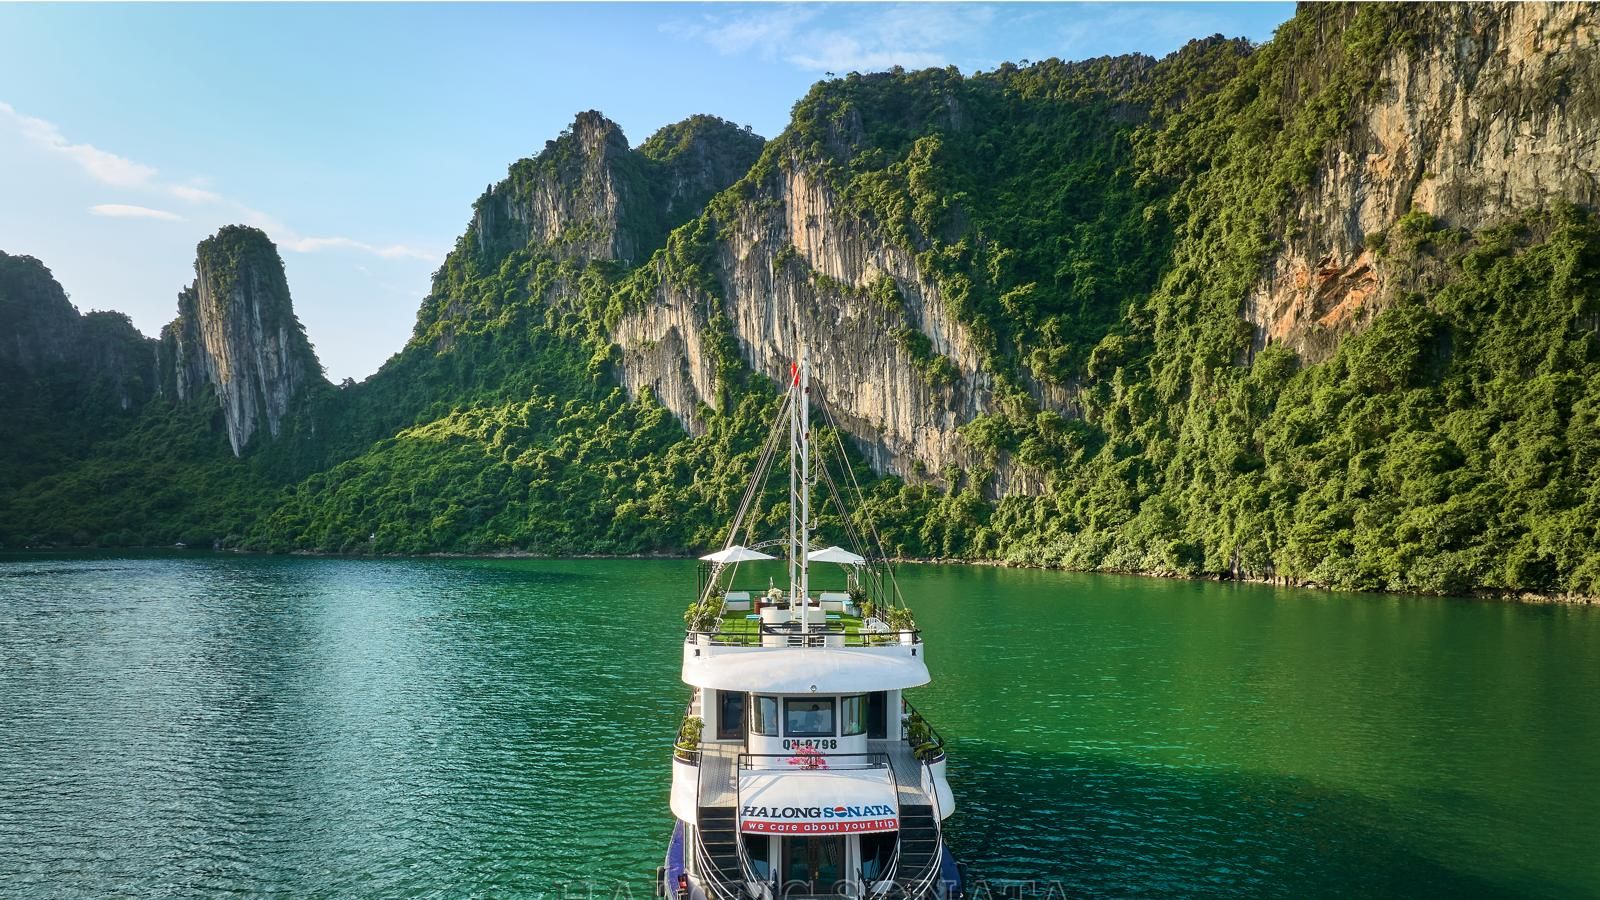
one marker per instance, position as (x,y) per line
(800,768)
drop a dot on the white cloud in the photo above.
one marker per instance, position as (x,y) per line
(870,38)
(119,171)
(845,37)
(403,251)
(763,32)
(128,211)
(300,244)
(290,240)
(844,53)
(193,194)
(109,168)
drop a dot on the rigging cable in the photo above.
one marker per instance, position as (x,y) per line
(862,502)
(751,491)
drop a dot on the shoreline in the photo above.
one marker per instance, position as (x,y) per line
(1499,595)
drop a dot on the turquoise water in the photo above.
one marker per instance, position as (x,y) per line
(205,724)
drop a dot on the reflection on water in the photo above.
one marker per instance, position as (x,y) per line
(197,724)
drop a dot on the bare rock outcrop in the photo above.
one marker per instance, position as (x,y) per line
(589,196)
(237,338)
(796,268)
(1487,111)
(570,198)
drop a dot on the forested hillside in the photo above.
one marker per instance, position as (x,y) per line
(1322,310)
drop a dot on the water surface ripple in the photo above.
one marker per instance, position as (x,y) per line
(202,725)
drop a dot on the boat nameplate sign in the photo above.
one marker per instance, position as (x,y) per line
(817,803)
(818,819)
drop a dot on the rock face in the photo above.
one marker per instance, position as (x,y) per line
(791,267)
(589,196)
(237,338)
(44,338)
(570,198)
(1489,111)
(796,269)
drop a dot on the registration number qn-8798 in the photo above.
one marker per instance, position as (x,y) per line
(811,744)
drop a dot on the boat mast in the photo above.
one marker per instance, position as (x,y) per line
(794,507)
(803,401)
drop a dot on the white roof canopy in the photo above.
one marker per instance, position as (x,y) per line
(837,555)
(736,553)
(804,670)
(792,800)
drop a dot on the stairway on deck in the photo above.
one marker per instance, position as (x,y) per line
(919,846)
(719,833)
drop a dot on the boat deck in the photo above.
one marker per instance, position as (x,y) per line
(719,772)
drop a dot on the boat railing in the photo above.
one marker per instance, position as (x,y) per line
(820,762)
(816,637)
(922,883)
(929,750)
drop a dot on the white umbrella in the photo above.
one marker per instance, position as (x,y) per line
(736,553)
(837,555)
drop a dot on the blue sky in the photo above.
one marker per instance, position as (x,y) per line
(359,135)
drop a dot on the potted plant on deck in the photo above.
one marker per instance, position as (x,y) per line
(703,615)
(688,746)
(900,620)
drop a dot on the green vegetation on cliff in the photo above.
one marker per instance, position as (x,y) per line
(1454,444)
(66,380)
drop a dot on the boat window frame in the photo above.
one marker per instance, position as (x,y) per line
(757,703)
(878,715)
(833,717)
(731,728)
(859,701)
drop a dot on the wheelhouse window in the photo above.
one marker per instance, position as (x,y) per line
(877,715)
(804,717)
(764,716)
(730,715)
(853,715)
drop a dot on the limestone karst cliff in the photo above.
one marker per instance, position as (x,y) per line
(1481,111)
(236,337)
(577,197)
(590,197)
(66,379)
(44,338)
(793,269)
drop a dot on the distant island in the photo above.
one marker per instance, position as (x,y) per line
(1324,310)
